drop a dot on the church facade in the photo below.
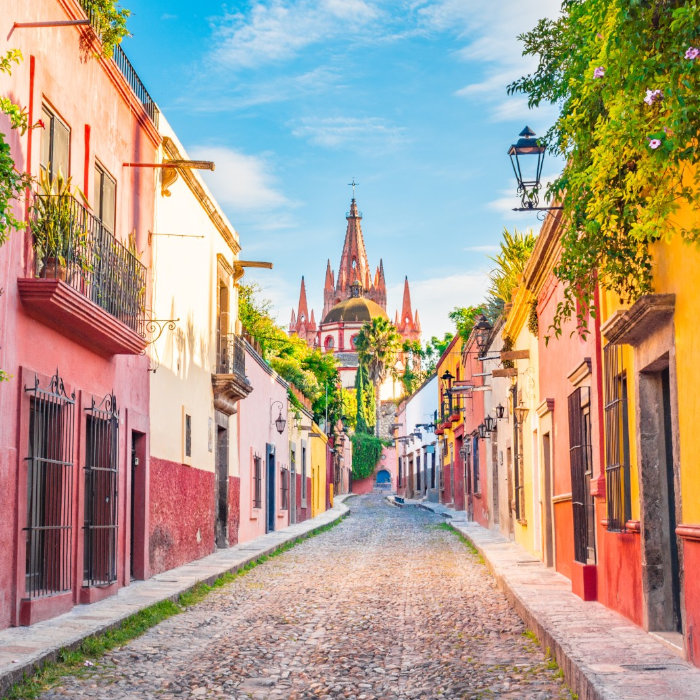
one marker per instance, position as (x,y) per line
(351,298)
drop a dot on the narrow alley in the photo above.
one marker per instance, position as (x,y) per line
(388,604)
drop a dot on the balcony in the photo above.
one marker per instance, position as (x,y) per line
(87,284)
(127,70)
(229,382)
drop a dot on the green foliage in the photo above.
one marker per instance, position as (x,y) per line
(433,352)
(516,249)
(349,408)
(109,21)
(364,402)
(464,318)
(378,344)
(507,347)
(533,323)
(366,451)
(312,372)
(630,151)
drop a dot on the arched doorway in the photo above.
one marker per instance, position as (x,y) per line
(383,479)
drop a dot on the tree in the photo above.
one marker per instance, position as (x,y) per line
(625,77)
(364,402)
(433,352)
(378,344)
(464,318)
(516,249)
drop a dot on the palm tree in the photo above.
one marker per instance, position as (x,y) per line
(516,249)
(378,344)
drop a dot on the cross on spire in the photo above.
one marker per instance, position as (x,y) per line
(353,184)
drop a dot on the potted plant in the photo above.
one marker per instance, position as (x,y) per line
(59,227)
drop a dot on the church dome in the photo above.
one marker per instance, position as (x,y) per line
(355,310)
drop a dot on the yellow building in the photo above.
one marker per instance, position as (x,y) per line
(318,442)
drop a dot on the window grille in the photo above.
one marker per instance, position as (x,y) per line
(581,471)
(188,435)
(303,473)
(432,470)
(617,449)
(48,564)
(418,474)
(400,479)
(518,476)
(257,482)
(101,492)
(475,465)
(284,489)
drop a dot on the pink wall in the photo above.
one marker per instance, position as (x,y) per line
(387,461)
(106,122)
(256,429)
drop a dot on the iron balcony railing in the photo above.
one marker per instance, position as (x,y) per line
(231,356)
(124,66)
(74,246)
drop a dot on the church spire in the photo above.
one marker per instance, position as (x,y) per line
(328,286)
(303,313)
(353,261)
(407,324)
(406,312)
(301,324)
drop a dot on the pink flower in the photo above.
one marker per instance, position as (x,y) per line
(599,72)
(654,144)
(692,53)
(653,96)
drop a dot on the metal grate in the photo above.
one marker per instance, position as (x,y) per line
(617,453)
(518,476)
(257,482)
(231,356)
(101,474)
(476,483)
(84,254)
(284,489)
(48,565)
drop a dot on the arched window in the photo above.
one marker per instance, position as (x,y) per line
(329,342)
(353,340)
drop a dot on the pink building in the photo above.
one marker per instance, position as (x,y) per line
(264,451)
(74,414)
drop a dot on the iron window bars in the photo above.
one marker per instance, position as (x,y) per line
(284,489)
(257,482)
(48,563)
(101,492)
(90,259)
(580,463)
(617,447)
(231,356)
(518,475)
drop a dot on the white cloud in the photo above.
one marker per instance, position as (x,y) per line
(277,30)
(335,132)
(435,297)
(241,181)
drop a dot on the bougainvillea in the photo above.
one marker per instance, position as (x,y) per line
(625,75)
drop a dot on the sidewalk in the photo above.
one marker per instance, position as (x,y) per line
(602,654)
(22,648)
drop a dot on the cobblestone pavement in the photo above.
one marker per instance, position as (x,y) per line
(385,605)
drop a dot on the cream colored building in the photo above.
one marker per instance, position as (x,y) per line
(197,367)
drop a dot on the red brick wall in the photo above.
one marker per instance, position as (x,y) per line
(177,534)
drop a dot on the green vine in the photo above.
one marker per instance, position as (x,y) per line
(109,21)
(533,324)
(507,347)
(366,451)
(625,73)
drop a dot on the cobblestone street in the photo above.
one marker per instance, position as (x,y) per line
(385,605)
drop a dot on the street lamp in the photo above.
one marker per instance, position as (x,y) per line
(279,422)
(521,412)
(500,411)
(482,430)
(483,331)
(490,423)
(528,174)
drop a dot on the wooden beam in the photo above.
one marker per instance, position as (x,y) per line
(515,355)
(507,372)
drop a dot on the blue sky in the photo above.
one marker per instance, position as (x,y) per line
(294,98)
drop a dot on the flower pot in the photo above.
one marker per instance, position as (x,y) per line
(53,269)
(454,417)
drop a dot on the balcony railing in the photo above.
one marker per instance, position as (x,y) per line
(74,246)
(231,356)
(125,67)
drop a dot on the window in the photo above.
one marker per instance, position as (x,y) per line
(418,474)
(518,476)
(188,435)
(303,473)
(284,489)
(329,343)
(580,460)
(617,447)
(101,474)
(48,562)
(55,145)
(353,340)
(400,479)
(257,482)
(475,464)
(105,198)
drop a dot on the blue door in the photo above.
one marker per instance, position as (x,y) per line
(271,484)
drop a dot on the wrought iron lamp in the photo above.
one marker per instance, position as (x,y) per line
(280,422)
(483,329)
(482,430)
(500,411)
(490,423)
(528,174)
(521,412)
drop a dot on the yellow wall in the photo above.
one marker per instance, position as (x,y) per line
(452,361)
(318,471)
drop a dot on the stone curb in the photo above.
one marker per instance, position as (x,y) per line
(603,655)
(50,637)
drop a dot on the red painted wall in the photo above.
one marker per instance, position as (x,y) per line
(179,535)
(563,537)
(691,584)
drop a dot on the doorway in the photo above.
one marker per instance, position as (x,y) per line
(661,563)
(137,507)
(271,486)
(547,500)
(221,459)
